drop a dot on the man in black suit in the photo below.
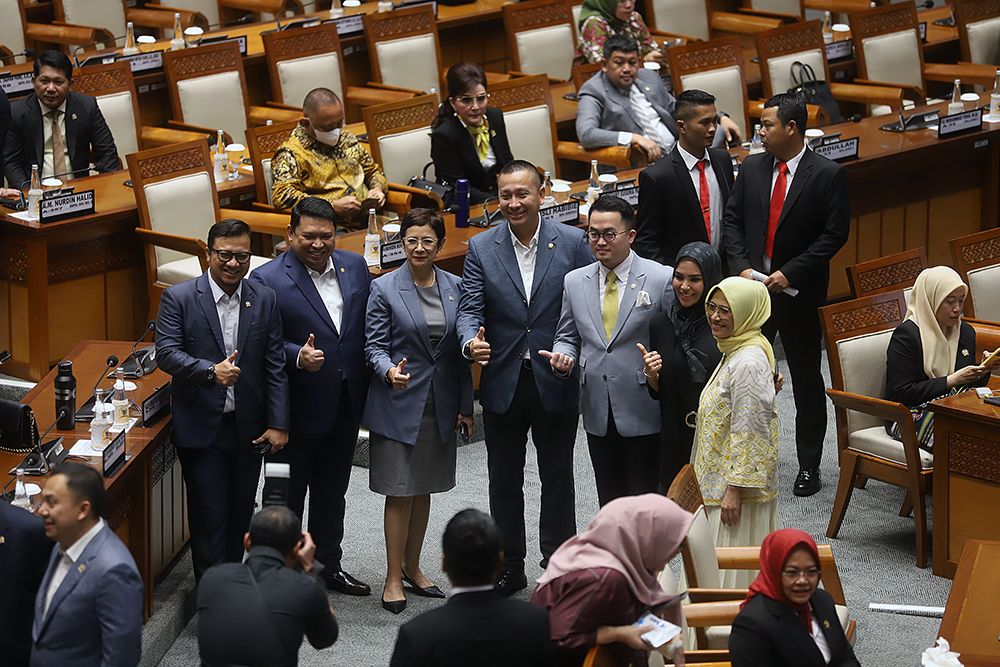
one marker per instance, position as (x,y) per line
(477,626)
(788,216)
(261,622)
(24,555)
(56,129)
(682,198)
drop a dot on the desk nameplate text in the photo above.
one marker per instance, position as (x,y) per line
(70,205)
(839,151)
(967,121)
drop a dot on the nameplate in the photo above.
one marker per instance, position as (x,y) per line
(301,23)
(839,151)
(349,25)
(417,3)
(568,213)
(629,194)
(13,84)
(157,405)
(70,205)
(923,30)
(241,41)
(391,255)
(113,456)
(144,62)
(841,49)
(967,121)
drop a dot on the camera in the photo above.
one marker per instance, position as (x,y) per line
(276,478)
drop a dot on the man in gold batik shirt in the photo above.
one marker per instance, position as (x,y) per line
(322,159)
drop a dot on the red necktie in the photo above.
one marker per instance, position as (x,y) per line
(777,202)
(706,209)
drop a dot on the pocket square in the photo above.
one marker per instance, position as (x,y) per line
(642,299)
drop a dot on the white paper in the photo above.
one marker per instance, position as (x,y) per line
(660,631)
(83,448)
(760,277)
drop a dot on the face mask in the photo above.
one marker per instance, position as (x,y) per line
(329,138)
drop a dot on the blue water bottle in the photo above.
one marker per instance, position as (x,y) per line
(462,199)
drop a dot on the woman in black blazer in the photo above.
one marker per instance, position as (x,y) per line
(786,619)
(932,353)
(469,138)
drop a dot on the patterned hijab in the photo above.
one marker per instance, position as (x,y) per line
(940,346)
(690,322)
(774,551)
(751,305)
(603,8)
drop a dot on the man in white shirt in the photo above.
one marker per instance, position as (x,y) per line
(88,611)
(626,104)
(323,296)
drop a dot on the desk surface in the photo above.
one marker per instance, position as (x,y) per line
(971,623)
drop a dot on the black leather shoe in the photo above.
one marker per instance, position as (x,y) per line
(431,591)
(395,606)
(346,584)
(808,482)
(509,582)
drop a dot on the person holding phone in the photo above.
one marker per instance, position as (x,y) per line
(420,395)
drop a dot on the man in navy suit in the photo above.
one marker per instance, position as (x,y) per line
(88,611)
(24,555)
(788,216)
(508,311)
(219,336)
(322,295)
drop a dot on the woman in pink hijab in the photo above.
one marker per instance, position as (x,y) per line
(603,580)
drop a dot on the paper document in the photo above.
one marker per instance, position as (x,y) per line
(760,277)
(660,631)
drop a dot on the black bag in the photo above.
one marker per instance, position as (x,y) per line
(816,92)
(445,192)
(18,431)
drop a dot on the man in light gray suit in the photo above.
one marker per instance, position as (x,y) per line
(88,611)
(606,308)
(625,104)
(508,311)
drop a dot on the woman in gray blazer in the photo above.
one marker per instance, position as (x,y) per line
(420,394)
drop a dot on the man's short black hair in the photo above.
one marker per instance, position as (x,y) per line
(319,97)
(521,165)
(613,204)
(56,60)
(621,43)
(312,207)
(277,527)
(228,228)
(791,106)
(84,483)
(687,103)
(472,543)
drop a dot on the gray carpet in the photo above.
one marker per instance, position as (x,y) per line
(875,555)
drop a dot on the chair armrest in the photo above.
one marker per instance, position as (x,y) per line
(743,24)
(876,407)
(265,208)
(205,131)
(787,18)
(616,156)
(184,244)
(420,198)
(909,92)
(981,75)
(865,94)
(830,577)
(366,97)
(738,558)
(755,108)
(285,107)
(382,86)
(497,77)
(699,595)
(817,114)
(658,34)
(837,6)
(154,16)
(707,614)
(398,202)
(258,116)
(65,33)
(259,221)
(153,137)
(255,6)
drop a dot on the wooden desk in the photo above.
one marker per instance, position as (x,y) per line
(971,623)
(966,478)
(144,499)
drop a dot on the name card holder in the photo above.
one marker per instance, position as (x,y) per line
(840,151)
(838,50)
(60,207)
(15,84)
(113,456)
(391,255)
(967,121)
(157,405)
(144,62)
(629,194)
(348,26)
(568,213)
(241,41)
(923,30)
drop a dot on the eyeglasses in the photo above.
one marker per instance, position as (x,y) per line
(712,309)
(226,256)
(608,235)
(812,574)
(479,99)
(411,242)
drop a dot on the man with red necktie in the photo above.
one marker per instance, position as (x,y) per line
(788,216)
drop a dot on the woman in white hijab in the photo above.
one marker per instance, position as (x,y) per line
(933,352)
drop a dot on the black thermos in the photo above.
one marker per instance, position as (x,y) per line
(65,387)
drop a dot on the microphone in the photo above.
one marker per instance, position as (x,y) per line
(65,173)
(140,358)
(113,40)
(929,4)
(86,411)
(40,465)
(246,18)
(27,53)
(856,118)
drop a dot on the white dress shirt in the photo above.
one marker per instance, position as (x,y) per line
(525,255)
(714,192)
(328,286)
(48,169)
(793,168)
(621,277)
(66,560)
(228,308)
(641,104)
(817,635)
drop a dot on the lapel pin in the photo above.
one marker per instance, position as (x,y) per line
(2,539)
(248,304)
(826,624)
(632,286)
(82,568)
(74,116)
(965,353)
(552,245)
(341,269)
(647,88)
(450,298)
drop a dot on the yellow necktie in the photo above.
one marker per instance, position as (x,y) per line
(481,137)
(58,147)
(610,313)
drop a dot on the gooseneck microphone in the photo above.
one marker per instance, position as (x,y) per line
(30,465)
(139,370)
(86,411)
(27,53)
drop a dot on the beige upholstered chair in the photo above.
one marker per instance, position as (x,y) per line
(583,73)
(978,24)
(887,274)
(695,19)
(977,259)
(541,37)
(717,68)
(16,33)
(403,48)
(113,14)
(887,47)
(857,336)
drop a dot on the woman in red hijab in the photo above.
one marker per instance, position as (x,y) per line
(786,619)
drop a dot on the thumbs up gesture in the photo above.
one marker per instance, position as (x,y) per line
(561,363)
(479,348)
(226,371)
(396,378)
(310,358)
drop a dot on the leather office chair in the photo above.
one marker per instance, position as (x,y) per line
(887,274)
(977,260)
(403,49)
(541,37)
(857,336)
(113,14)
(717,68)
(17,34)
(262,142)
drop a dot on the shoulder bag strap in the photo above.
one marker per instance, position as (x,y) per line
(267,614)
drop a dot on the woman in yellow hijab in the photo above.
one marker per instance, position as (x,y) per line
(932,353)
(736,440)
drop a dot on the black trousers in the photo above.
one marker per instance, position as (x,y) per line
(624,466)
(221,484)
(797,321)
(323,464)
(506,439)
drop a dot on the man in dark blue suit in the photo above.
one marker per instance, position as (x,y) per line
(219,336)
(511,298)
(24,553)
(322,294)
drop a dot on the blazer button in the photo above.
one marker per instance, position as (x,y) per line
(605,377)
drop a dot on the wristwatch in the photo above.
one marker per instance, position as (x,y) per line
(210,373)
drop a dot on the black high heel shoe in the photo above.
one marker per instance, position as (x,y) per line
(431,591)
(395,606)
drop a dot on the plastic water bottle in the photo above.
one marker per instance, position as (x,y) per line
(593,185)
(995,99)
(34,192)
(827,30)
(100,437)
(756,145)
(549,199)
(119,400)
(220,161)
(131,48)
(462,199)
(21,498)
(956,105)
(177,43)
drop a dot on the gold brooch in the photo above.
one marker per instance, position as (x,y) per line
(965,353)
(826,624)
(341,269)
(451,298)
(632,286)
(82,568)
(2,539)
(552,245)
(248,304)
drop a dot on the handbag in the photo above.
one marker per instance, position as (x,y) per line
(18,431)
(421,182)
(815,91)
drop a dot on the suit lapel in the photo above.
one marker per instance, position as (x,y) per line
(42,590)
(247,312)
(620,99)
(449,303)
(767,171)
(720,162)
(636,281)
(507,258)
(790,625)
(36,130)
(346,282)
(299,275)
(71,130)
(210,310)
(408,293)
(690,193)
(544,252)
(802,175)
(73,577)
(592,296)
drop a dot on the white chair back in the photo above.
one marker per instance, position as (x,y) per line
(107,14)
(548,50)
(208,8)
(530,133)
(780,68)
(984,285)
(984,41)
(299,76)
(181,206)
(576,10)
(726,84)
(777,6)
(214,101)
(404,154)
(119,113)
(683,17)
(409,62)
(11,29)
(894,58)
(862,364)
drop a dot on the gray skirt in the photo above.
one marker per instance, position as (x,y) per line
(399,469)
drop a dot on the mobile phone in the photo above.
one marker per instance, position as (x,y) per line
(989,359)
(4,356)
(464,431)
(992,400)
(262,448)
